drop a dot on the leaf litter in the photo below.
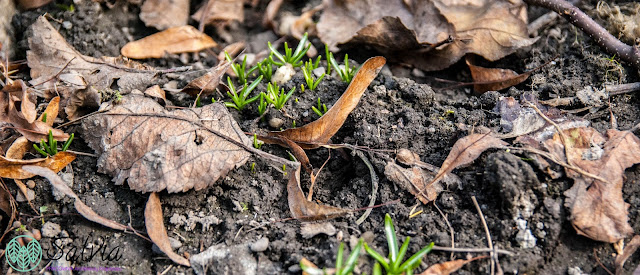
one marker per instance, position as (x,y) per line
(441,31)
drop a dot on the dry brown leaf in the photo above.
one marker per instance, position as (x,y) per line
(82,208)
(17,107)
(207,83)
(13,168)
(221,12)
(449,267)
(466,150)
(50,56)
(304,260)
(321,130)
(154,222)
(32,4)
(597,208)
(21,145)
(492,29)
(154,149)
(184,39)
(303,209)
(157,92)
(80,102)
(494,79)
(631,248)
(164,14)
(416,177)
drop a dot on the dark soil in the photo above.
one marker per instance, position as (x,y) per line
(396,112)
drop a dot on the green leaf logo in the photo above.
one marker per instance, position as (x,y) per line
(23,258)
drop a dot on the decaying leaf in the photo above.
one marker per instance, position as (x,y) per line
(416,177)
(17,107)
(492,29)
(50,56)
(164,14)
(13,168)
(154,222)
(449,267)
(595,199)
(154,149)
(82,208)
(494,79)
(303,209)
(466,150)
(220,11)
(321,130)
(184,39)
(207,83)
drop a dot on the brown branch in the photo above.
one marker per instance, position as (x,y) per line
(602,37)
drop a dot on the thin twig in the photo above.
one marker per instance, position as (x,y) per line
(486,231)
(451,232)
(621,88)
(600,263)
(601,36)
(374,187)
(57,74)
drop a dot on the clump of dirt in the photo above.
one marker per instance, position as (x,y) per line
(524,208)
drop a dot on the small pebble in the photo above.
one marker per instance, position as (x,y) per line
(260,245)
(67,25)
(276,122)
(31,184)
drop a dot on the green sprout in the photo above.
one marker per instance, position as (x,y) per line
(347,73)
(256,142)
(240,69)
(262,107)
(289,57)
(393,263)
(245,206)
(340,269)
(43,209)
(69,8)
(293,124)
(51,148)
(321,110)
(44,117)
(276,96)
(307,70)
(21,228)
(240,100)
(253,167)
(265,69)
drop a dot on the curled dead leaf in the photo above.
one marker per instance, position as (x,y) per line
(448,267)
(207,83)
(303,209)
(494,79)
(321,130)
(154,222)
(182,39)
(13,168)
(153,149)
